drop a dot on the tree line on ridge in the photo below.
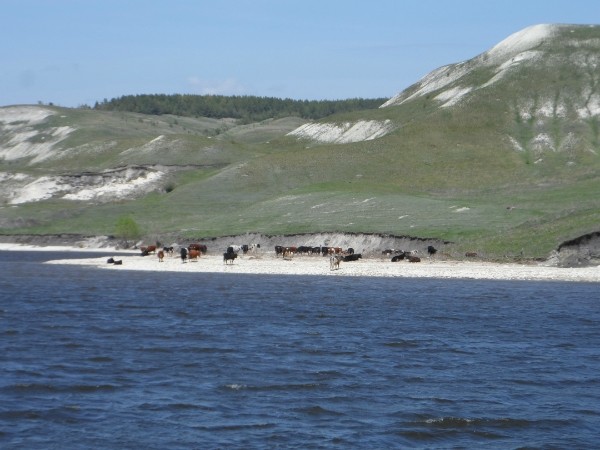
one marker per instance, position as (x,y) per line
(244,108)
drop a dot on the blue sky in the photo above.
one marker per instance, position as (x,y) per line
(75,52)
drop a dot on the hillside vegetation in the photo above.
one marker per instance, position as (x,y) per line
(245,108)
(498,154)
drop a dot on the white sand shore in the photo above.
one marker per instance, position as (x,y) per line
(266,263)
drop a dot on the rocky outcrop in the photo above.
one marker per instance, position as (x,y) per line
(582,251)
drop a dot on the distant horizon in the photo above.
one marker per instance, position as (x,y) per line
(74,54)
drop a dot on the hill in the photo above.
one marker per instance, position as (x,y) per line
(497,154)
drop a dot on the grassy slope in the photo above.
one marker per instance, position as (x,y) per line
(416,181)
(449,173)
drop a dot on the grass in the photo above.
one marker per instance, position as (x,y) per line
(445,173)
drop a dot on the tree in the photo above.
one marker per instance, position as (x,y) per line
(127,229)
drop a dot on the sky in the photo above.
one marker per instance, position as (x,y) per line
(79,52)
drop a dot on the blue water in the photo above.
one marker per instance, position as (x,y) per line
(115,359)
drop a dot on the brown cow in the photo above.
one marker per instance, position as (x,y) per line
(288,252)
(200,247)
(161,255)
(194,254)
(147,250)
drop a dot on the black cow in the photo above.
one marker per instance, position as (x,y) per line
(229,256)
(304,249)
(183,252)
(431,250)
(399,257)
(110,261)
(352,257)
(118,262)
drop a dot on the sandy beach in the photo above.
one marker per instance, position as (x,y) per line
(267,263)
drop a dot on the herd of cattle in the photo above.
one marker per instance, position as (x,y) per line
(194,251)
(336,254)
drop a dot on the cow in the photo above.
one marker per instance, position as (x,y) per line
(399,257)
(110,261)
(236,248)
(161,255)
(334,261)
(350,251)
(414,259)
(118,262)
(194,254)
(168,250)
(147,250)
(183,252)
(471,254)
(288,252)
(352,257)
(200,247)
(431,250)
(278,250)
(304,249)
(229,256)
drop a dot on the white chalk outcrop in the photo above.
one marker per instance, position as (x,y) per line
(19,188)
(343,133)
(506,55)
(24,140)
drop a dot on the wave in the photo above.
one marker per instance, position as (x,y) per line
(26,388)
(317,411)
(274,387)
(236,427)
(403,343)
(502,422)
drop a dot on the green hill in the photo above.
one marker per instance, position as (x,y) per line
(498,154)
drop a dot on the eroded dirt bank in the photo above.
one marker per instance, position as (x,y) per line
(583,251)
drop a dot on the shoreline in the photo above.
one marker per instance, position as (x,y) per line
(19,247)
(268,264)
